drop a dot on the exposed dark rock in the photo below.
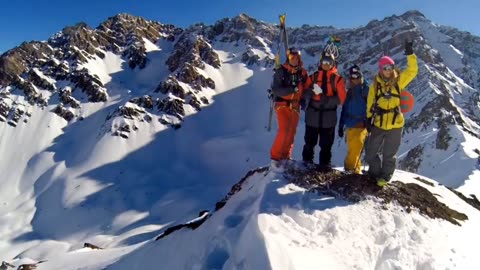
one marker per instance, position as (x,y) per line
(147,118)
(171,85)
(424,181)
(66,98)
(64,113)
(173,107)
(91,246)
(89,84)
(204,100)
(195,103)
(130,112)
(39,81)
(196,80)
(357,187)
(473,201)
(144,102)
(4,110)
(238,186)
(16,61)
(244,29)
(125,128)
(17,115)
(135,52)
(26,86)
(413,160)
(204,214)
(193,51)
(29,266)
(5,265)
(443,137)
(250,58)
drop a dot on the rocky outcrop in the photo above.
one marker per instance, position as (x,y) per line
(250,58)
(4,110)
(355,188)
(171,85)
(191,76)
(67,99)
(63,112)
(130,112)
(413,160)
(192,50)
(90,84)
(144,102)
(39,81)
(172,107)
(244,29)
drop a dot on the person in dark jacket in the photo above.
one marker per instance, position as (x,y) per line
(353,118)
(288,86)
(326,92)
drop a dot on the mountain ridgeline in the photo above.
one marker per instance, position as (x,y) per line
(57,74)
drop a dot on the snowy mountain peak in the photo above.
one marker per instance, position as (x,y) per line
(412,15)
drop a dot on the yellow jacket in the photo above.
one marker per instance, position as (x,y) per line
(403,78)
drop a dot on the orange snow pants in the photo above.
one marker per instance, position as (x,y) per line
(287,119)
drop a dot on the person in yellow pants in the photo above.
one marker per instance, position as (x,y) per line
(353,118)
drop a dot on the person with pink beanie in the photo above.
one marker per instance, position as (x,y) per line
(385,120)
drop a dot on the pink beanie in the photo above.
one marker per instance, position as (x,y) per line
(385,60)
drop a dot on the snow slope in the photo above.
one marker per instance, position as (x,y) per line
(270,218)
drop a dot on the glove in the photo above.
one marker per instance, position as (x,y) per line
(368,124)
(408,47)
(340,132)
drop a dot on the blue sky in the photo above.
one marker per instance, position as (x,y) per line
(25,20)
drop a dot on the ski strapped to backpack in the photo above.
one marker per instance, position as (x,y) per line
(281,37)
(332,46)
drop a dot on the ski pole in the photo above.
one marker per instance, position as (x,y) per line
(270,113)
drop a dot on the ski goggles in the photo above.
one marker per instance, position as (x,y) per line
(354,76)
(294,53)
(292,56)
(388,67)
(327,62)
(354,70)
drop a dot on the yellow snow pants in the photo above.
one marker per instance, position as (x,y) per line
(355,138)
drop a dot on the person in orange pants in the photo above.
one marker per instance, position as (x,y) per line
(353,117)
(287,88)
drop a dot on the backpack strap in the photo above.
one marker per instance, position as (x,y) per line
(315,77)
(380,112)
(333,83)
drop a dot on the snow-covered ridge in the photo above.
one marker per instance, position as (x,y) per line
(265,216)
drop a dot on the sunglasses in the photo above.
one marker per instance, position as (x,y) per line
(388,67)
